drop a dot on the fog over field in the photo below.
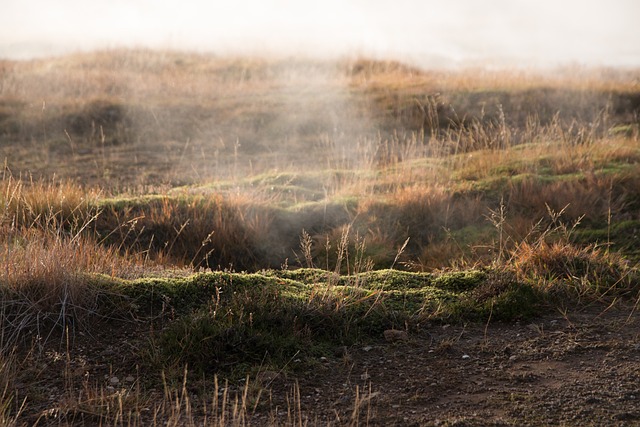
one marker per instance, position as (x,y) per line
(429,33)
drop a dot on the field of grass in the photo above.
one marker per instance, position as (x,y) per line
(234,215)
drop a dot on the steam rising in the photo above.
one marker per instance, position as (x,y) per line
(429,33)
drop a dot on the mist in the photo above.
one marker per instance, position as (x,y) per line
(428,33)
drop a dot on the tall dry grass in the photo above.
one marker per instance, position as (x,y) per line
(412,152)
(547,257)
(10,407)
(386,166)
(47,256)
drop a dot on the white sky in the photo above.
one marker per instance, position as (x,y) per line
(431,32)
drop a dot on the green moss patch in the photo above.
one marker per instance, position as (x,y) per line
(220,321)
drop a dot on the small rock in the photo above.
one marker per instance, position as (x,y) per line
(129,379)
(267,376)
(107,352)
(340,351)
(466,356)
(534,327)
(114,381)
(323,359)
(512,358)
(342,400)
(395,335)
(625,416)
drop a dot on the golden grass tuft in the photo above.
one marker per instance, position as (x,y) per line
(562,268)
(48,256)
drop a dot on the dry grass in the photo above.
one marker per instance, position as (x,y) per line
(47,255)
(151,75)
(210,232)
(547,257)
(184,117)
(221,405)
(10,408)
(398,76)
(564,268)
(375,164)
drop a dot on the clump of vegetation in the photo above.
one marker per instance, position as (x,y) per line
(230,321)
(48,257)
(584,270)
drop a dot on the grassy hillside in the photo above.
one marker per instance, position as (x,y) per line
(236,214)
(221,162)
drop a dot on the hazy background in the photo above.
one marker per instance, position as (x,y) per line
(431,33)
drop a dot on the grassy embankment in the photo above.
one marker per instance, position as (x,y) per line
(498,194)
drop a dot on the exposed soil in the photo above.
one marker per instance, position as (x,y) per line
(579,368)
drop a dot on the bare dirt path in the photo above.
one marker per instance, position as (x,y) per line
(581,368)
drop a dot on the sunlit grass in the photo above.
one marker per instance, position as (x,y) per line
(411,196)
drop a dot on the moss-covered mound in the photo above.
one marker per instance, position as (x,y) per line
(220,321)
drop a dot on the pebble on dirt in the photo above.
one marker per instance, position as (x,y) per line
(394,335)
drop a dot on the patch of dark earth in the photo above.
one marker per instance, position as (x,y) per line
(574,368)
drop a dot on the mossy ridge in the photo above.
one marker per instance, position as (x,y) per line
(388,280)
(517,301)
(622,236)
(307,275)
(191,293)
(417,303)
(224,320)
(227,322)
(188,294)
